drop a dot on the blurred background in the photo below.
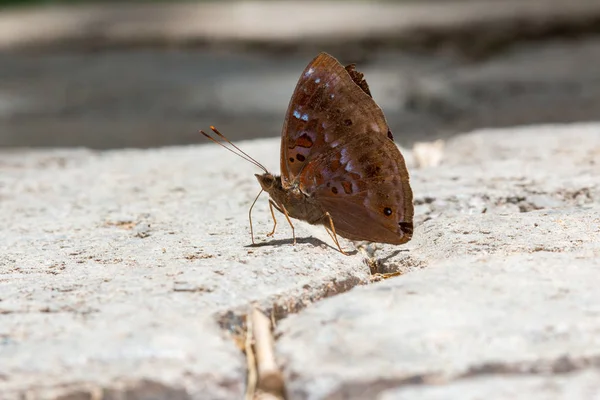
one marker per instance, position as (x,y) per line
(114,74)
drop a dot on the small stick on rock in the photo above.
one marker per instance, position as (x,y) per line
(250,359)
(270,379)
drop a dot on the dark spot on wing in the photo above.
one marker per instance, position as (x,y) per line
(334,190)
(300,157)
(348,122)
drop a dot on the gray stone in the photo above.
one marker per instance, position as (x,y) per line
(116,269)
(503,295)
(576,385)
(524,313)
(126,274)
(512,170)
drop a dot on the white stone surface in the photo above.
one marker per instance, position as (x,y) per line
(501,295)
(122,273)
(116,266)
(577,385)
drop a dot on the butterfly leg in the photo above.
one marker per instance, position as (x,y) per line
(250,215)
(289,222)
(333,234)
(271,205)
(282,210)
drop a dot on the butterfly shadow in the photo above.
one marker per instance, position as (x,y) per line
(392,255)
(304,240)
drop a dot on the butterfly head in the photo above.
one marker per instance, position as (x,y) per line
(268,181)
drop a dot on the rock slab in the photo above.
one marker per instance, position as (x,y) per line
(126,274)
(121,273)
(499,298)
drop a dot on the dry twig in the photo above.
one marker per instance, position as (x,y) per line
(270,379)
(250,359)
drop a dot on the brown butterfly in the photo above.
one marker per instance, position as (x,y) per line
(339,165)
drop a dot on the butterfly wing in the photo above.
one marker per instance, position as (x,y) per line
(363,184)
(329,103)
(337,148)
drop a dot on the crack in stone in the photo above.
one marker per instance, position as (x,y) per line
(559,366)
(562,365)
(138,389)
(234,321)
(280,307)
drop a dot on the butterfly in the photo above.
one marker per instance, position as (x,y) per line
(340,167)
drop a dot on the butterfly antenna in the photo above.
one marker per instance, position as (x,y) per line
(239,152)
(249,159)
(215,130)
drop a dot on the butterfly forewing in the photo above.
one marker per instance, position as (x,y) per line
(326,105)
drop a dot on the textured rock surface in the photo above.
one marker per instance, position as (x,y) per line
(121,273)
(115,266)
(577,385)
(506,287)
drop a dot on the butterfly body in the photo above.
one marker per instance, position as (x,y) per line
(296,203)
(340,166)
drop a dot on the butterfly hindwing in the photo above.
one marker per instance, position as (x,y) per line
(363,184)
